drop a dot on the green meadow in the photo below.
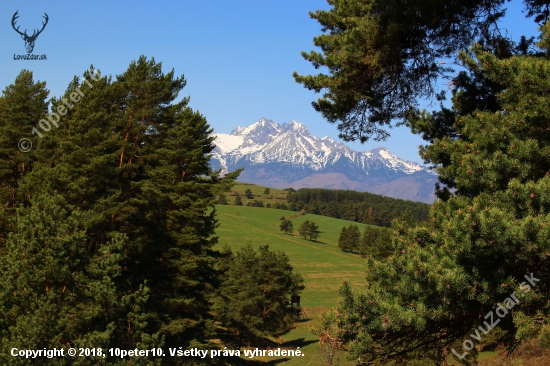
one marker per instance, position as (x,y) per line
(321,263)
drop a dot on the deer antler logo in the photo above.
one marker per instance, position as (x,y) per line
(29,40)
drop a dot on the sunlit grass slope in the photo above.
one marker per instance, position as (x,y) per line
(321,263)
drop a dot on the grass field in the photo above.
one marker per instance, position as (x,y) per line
(321,263)
(275,195)
(323,267)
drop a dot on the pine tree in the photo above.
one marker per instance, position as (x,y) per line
(343,242)
(350,238)
(443,279)
(222,200)
(286,226)
(22,105)
(238,201)
(383,56)
(309,230)
(138,163)
(368,239)
(252,300)
(55,292)
(314,231)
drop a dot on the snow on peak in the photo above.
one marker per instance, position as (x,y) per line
(395,162)
(265,141)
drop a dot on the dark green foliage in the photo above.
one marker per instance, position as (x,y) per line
(56,292)
(222,200)
(268,205)
(342,242)
(238,201)
(137,164)
(380,56)
(22,105)
(309,230)
(539,9)
(349,238)
(361,207)
(382,247)
(280,205)
(266,191)
(253,298)
(444,278)
(256,203)
(376,243)
(248,194)
(286,226)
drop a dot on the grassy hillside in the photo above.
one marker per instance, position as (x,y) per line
(275,195)
(321,263)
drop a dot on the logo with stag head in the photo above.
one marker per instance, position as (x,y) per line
(29,40)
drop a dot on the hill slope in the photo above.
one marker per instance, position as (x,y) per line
(321,263)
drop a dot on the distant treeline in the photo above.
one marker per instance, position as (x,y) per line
(367,208)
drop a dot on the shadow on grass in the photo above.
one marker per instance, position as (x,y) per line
(251,362)
(298,342)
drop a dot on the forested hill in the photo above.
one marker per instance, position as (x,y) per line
(361,207)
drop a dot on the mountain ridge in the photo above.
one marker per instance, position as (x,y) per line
(288,155)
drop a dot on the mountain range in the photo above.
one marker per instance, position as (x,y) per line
(287,155)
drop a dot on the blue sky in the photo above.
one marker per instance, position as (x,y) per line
(237,56)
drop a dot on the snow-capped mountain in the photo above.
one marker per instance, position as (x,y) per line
(289,156)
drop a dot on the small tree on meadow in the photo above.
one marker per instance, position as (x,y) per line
(309,230)
(238,201)
(286,226)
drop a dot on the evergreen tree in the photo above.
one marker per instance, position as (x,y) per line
(252,300)
(138,163)
(370,234)
(266,192)
(222,200)
(248,194)
(343,242)
(304,229)
(382,56)
(383,246)
(286,226)
(22,105)
(482,241)
(55,292)
(353,237)
(350,238)
(238,201)
(309,230)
